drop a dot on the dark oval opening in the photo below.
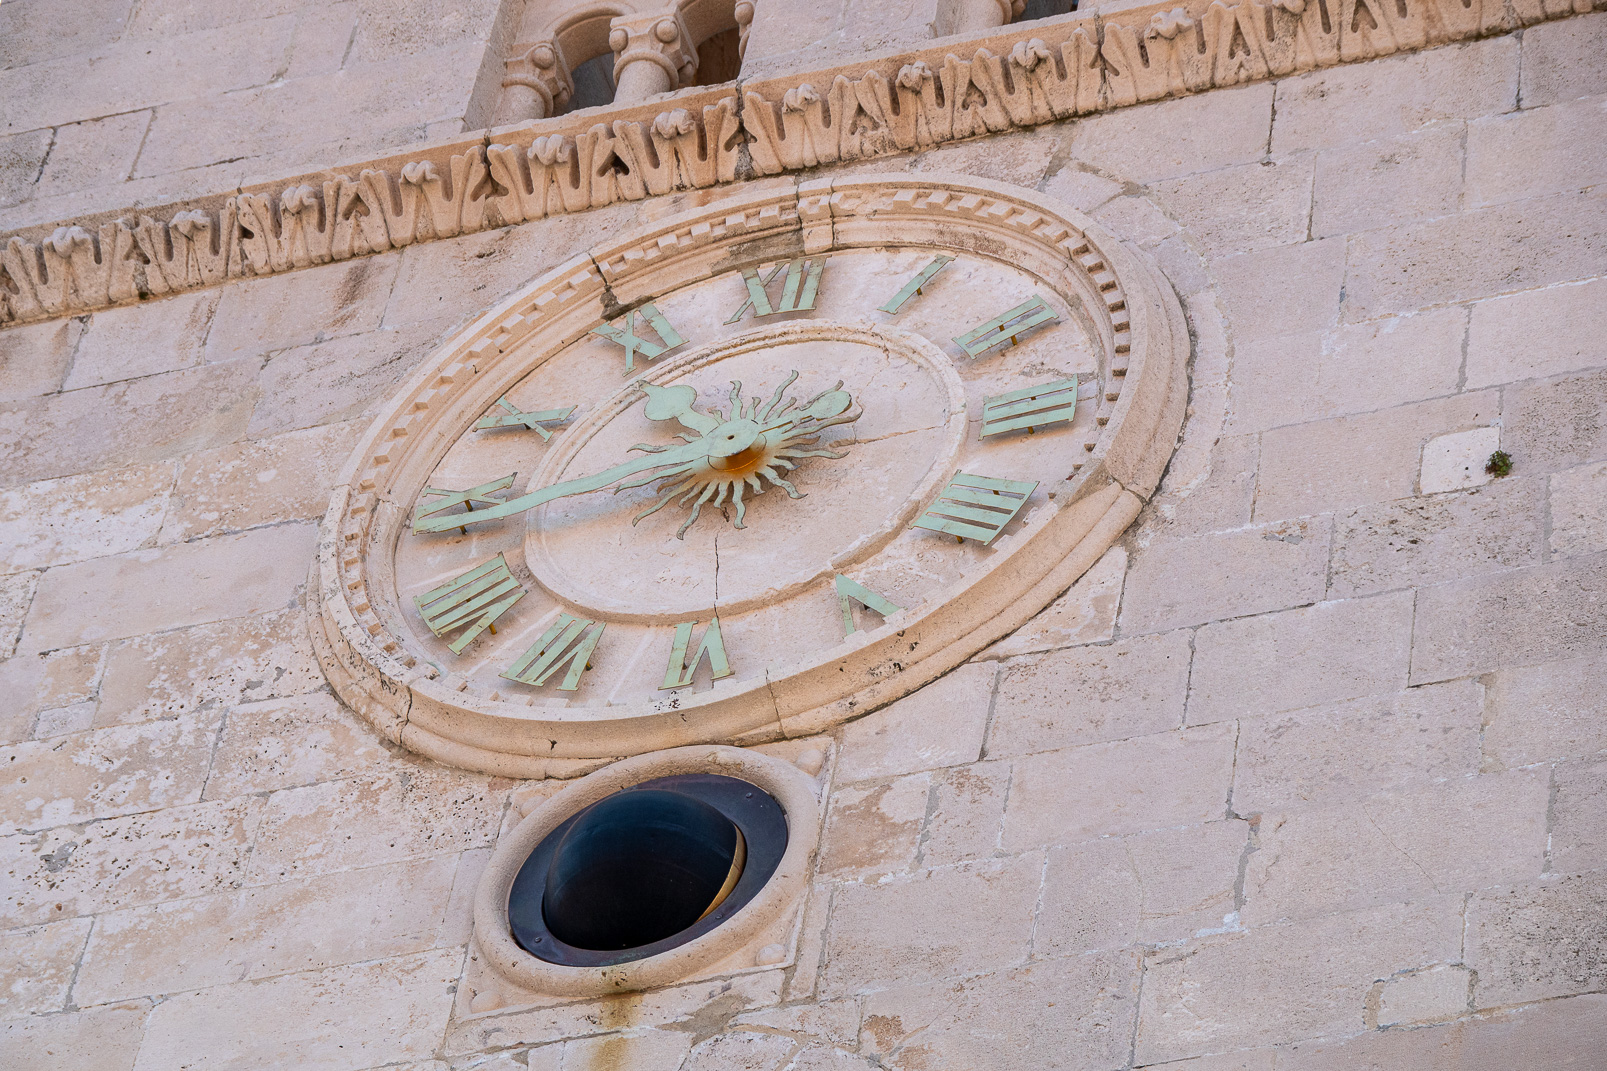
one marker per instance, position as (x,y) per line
(639,867)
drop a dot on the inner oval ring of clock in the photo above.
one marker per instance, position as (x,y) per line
(582,550)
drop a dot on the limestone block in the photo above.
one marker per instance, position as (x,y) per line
(98,1039)
(164,18)
(1430,996)
(1243,208)
(966,813)
(30,33)
(221,664)
(137,421)
(1020,157)
(1075,1012)
(135,74)
(1172,138)
(833,1022)
(1535,333)
(874,828)
(1091,694)
(1547,711)
(1395,95)
(1536,151)
(1221,498)
(284,478)
(390,28)
(283,743)
(271,930)
(188,584)
(1543,613)
(123,862)
(1279,983)
(1579,510)
(342,1019)
(1579,826)
(105,773)
(1563,60)
(646,1049)
(1397,179)
(1282,291)
(34,357)
(1558,1033)
(1476,254)
(1558,423)
(1225,574)
(337,825)
(97,152)
(1086,613)
(1466,834)
(1242,1060)
(258,316)
(55,522)
(1311,758)
(1315,654)
(16,596)
(1457,460)
(1137,219)
(21,158)
(36,967)
(940,725)
(341,379)
(162,336)
(1537,941)
(1150,888)
(1353,368)
(1169,779)
(933,925)
(1080,187)
(1426,540)
(740,1051)
(322,40)
(1355,460)
(63,720)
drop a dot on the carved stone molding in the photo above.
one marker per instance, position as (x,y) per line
(1040,72)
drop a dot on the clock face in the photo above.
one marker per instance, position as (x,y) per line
(744,491)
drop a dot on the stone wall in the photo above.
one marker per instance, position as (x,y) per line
(1305,774)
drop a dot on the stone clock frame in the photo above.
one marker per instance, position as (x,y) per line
(1138,328)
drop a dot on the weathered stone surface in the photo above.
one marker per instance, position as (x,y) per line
(55,522)
(1458,460)
(1521,616)
(1310,757)
(1221,499)
(1086,613)
(1392,180)
(1355,460)
(1226,574)
(219,664)
(1563,1034)
(1430,996)
(37,965)
(1172,138)
(1353,368)
(1537,941)
(270,930)
(1449,536)
(1089,694)
(193,583)
(341,1018)
(1335,105)
(1579,818)
(1535,151)
(1283,291)
(1243,208)
(338,825)
(884,934)
(97,1039)
(16,596)
(1468,834)
(1547,711)
(95,153)
(21,158)
(283,743)
(137,859)
(874,828)
(106,772)
(1558,423)
(146,340)
(1077,1013)
(1579,510)
(1316,654)
(261,316)
(1562,60)
(966,813)
(287,477)
(1475,254)
(34,358)
(941,725)
(1280,983)
(1169,779)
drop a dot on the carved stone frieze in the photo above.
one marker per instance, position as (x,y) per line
(1040,72)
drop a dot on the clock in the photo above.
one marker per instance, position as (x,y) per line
(748,473)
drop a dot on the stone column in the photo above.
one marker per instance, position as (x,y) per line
(535,83)
(652,54)
(969,15)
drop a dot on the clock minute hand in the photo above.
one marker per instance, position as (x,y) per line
(675,456)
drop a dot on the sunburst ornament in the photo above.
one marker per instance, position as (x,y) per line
(726,453)
(738,449)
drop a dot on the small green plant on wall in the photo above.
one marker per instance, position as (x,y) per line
(1500,464)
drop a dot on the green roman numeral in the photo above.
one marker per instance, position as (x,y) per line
(850,592)
(915,285)
(1030,407)
(512,417)
(975,507)
(566,642)
(712,646)
(1008,326)
(471,602)
(623,331)
(798,289)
